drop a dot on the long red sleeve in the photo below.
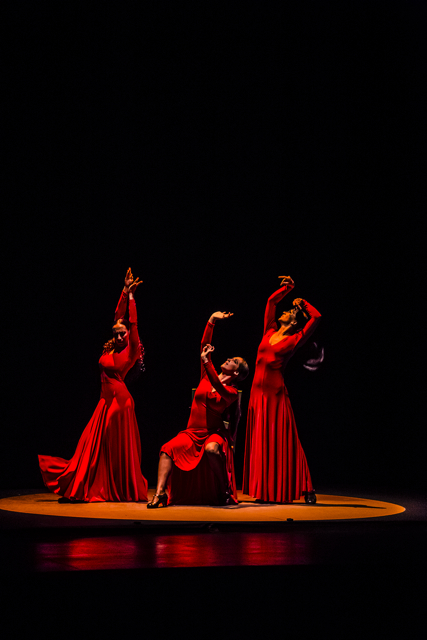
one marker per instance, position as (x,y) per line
(133,332)
(206,339)
(229,394)
(270,310)
(314,320)
(121,306)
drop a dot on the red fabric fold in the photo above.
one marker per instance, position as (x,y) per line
(192,481)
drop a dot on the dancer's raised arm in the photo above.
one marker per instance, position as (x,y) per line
(314,319)
(208,332)
(123,300)
(134,344)
(228,393)
(272,302)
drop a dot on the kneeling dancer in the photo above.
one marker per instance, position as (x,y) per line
(197,465)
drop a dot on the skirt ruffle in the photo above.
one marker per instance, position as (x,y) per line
(106,464)
(192,481)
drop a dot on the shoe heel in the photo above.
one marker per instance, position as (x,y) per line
(310,497)
(162,501)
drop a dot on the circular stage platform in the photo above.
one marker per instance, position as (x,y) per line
(327,508)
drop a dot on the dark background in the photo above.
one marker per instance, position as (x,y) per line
(212,148)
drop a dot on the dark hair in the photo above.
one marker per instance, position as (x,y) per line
(301,319)
(136,369)
(311,354)
(124,321)
(243,370)
(109,346)
(139,366)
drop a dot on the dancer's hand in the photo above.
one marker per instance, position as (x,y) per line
(286,280)
(220,315)
(134,285)
(128,279)
(208,348)
(299,302)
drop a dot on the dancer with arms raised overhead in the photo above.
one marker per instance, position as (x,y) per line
(106,463)
(275,466)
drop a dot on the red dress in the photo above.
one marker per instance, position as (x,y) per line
(192,481)
(275,466)
(106,464)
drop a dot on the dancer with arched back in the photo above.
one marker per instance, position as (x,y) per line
(197,465)
(275,466)
(106,463)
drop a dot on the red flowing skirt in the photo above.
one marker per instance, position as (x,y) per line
(192,481)
(106,464)
(275,468)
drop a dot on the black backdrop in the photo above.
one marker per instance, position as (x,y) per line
(213,148)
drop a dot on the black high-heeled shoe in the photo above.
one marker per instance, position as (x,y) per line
(161,502)
(226,499)
(310,497)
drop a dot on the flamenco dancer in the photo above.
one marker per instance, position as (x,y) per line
(197,465)
(275,466)
(106,464)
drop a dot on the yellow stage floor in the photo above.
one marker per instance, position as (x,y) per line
(327,508)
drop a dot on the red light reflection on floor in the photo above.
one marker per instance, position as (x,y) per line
(193,550)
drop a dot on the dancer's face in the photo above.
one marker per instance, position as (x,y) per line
(231,366)
(121,335)
(289,317)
